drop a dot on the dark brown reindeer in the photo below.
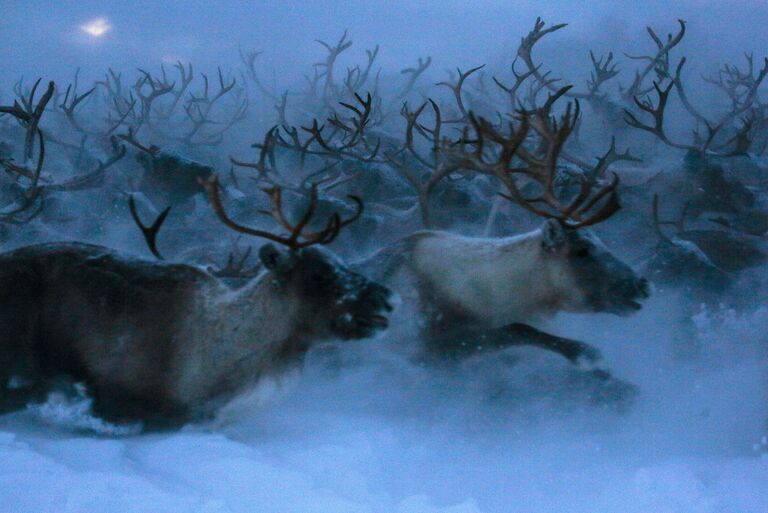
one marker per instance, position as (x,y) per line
(479,293)
(165,342)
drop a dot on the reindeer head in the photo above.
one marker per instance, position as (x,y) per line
(587,276)
(335,301)
(597,280)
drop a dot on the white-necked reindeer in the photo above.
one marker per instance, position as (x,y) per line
(158,341)
(482,293)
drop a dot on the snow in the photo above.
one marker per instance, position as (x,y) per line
(361,430)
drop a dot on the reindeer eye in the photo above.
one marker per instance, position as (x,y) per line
(582,253)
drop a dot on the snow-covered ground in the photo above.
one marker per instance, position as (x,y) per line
(373,433)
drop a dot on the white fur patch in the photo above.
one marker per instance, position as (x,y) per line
(500,281)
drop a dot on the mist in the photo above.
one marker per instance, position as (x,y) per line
(454,33)
(364,425)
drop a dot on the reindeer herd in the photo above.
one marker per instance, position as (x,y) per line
(475,202)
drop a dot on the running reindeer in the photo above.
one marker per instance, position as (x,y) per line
(481,293)
(165,342)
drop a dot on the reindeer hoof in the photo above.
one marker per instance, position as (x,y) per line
(585,355)
(610,390)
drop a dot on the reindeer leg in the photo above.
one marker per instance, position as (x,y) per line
(462,343)
(598,383)
(519,334)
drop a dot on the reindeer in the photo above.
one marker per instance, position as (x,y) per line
(167,342)
(705,262)
(481,293)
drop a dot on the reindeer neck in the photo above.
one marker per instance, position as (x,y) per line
(236,336)
(539,279)
(545,279)
(261,312)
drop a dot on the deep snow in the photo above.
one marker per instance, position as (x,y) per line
(365,431)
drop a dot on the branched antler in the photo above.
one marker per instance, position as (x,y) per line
(294,241)
(658,63)
(603,70)
(149,232)
(71,102)
(498,154)
(92,178)
(702,142)
(741,88)
(266,162)
(249,60)
(525,51)
(357,77)
(29,114)
(512,91)
(31,199)
(236,265)
(413,75)
(329,87)
(611,157)
(657,113)
(199,108)
(455,88)
(422,173)
(343,138)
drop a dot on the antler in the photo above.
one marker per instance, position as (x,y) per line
(249,60)
(296,232)
(539,164)
(603,70)
(149,232)
(434,165)
(330,62)
(741,141)
(236,265)
(200,107)
(657,112)
(413,75)
(29,114)
(456,87)
(659,63)
(343,137)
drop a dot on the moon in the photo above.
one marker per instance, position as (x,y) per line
(97,27)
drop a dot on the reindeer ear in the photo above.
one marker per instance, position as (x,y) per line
(272,258)
(553,235)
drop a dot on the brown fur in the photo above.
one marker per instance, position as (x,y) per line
(157,340)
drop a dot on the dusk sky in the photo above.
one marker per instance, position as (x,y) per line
(47,37)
